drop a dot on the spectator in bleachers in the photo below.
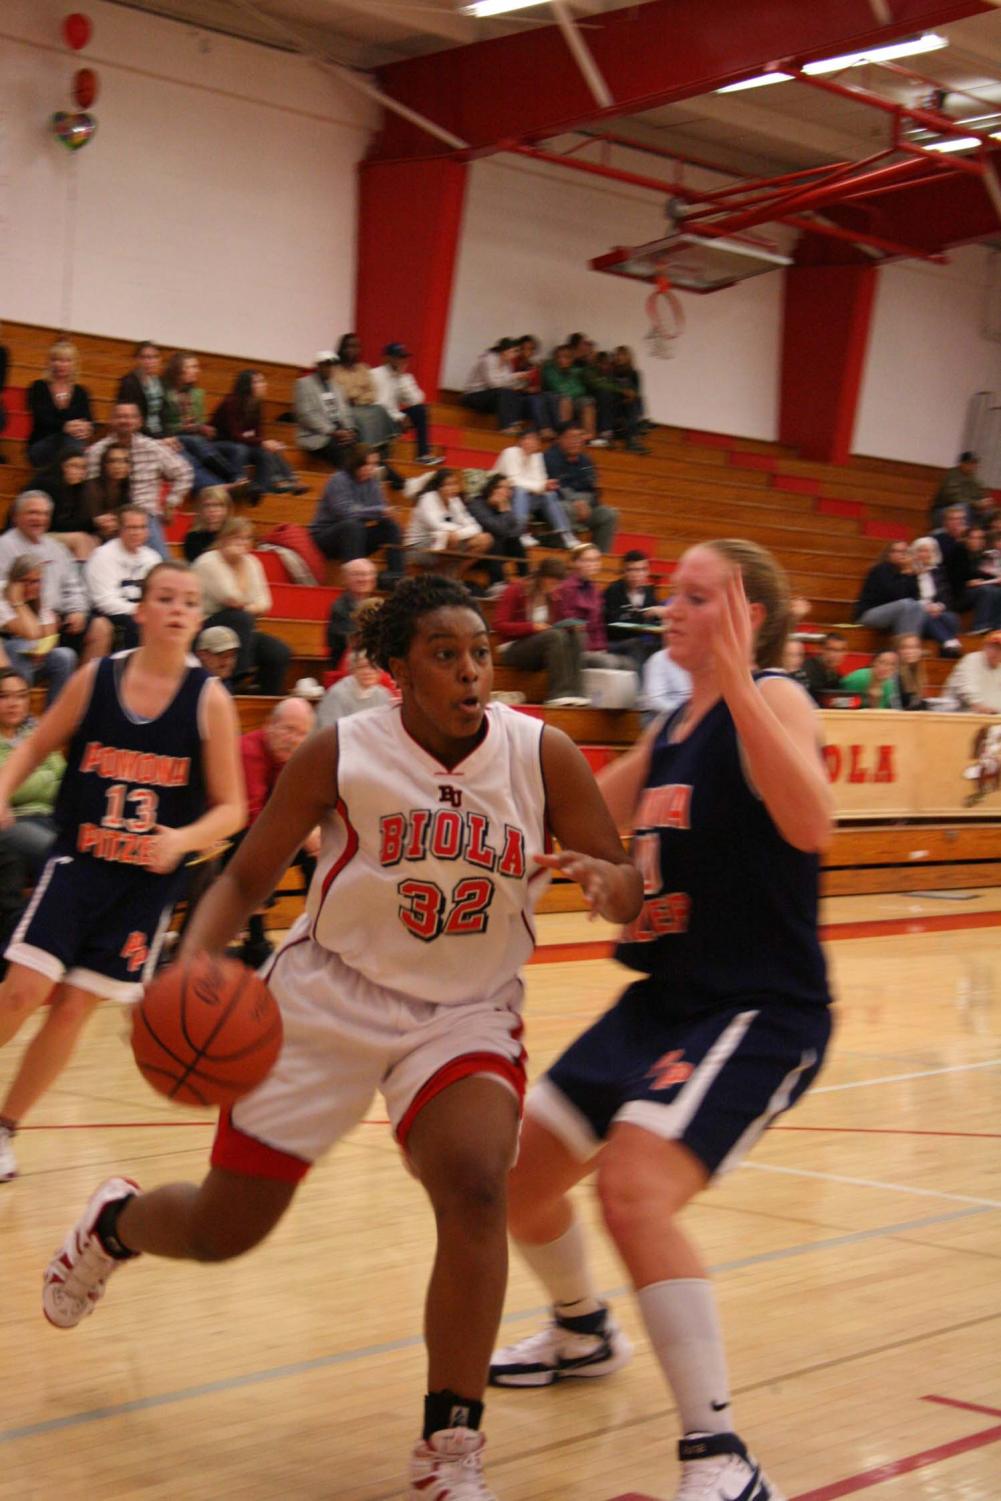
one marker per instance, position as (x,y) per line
(354,379)
(30,630)
(218,650)
(579,599)
(114,577)
(264,753)
(398,393)
(823,671)
(876,684)
(109,490)
(960,486)
(526,363)
(630,601)
(239,424)
(534,493)
(793,657)
(665,685)
(493,511)
(441,534)
(933,586)
(565,391)
(626,376)
(951,540)
(143,387)
(912,683)
(150,464)
(974,685)
(578,488)
(973,577)
(65,483)
(494,385)
(59,407)
(352,518)
(184,421)
(235,593)
(529,638)
(984,588)
(33,831)
(213,508)
(358,689)
(63,597)
(324,426)
(358,580)
(889,601)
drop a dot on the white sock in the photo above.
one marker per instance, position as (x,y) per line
(561,1266)
(683,1324)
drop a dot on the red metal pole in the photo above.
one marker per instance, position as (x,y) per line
(813,198)
(931,118)
(941,159)
(673,156)
(782,202)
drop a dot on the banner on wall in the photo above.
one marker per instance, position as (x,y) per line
(885,764)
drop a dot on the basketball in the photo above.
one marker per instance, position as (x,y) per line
(206,1031)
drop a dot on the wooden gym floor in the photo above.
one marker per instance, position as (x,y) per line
(857,1257)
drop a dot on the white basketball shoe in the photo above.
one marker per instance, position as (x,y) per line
(449,1467)
(558,1351)
(74,1281)
(717,1467)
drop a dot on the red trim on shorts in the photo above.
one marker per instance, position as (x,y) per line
(237,1152)
(347,854)
(464,1067)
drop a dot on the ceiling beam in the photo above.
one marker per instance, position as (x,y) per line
(649,55)
(770,125)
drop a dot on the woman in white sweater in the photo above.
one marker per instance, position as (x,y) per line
(534,493)
(441,532)
(235,592)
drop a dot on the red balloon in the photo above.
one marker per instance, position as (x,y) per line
(85,87)
(77,30)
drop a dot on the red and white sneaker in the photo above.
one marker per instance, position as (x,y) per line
(449,1467)
(74,1281)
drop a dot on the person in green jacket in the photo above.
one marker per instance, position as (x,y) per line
(33,830)
(877,683)
(566,392)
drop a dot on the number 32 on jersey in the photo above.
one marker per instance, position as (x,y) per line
(428,912)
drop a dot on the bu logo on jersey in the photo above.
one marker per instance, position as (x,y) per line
(447,834)
(450,795)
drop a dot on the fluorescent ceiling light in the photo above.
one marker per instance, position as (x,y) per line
(483,8)
(930,42)
(957,143)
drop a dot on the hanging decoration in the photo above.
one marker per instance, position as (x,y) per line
(73,130)
(85,87)
(77,30)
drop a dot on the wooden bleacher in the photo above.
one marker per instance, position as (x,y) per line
(825,523)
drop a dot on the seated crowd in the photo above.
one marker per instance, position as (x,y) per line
(578,383)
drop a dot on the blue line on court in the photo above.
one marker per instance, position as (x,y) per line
(366,1352)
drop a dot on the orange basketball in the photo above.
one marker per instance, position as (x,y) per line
(206,1031)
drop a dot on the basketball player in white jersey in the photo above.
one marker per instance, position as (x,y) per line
(402,975)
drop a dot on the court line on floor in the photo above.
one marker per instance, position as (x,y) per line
(900,1188)
(894,1468)
(391,1347)
(924,1073)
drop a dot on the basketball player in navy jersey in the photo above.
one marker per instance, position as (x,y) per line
(729,807)
(403,976)
(152,774)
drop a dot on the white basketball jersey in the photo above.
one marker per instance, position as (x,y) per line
(425,882)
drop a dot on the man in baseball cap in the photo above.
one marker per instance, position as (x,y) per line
(401,396)
(217,648)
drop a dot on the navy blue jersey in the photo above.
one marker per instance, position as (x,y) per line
(125,775)
(730,907)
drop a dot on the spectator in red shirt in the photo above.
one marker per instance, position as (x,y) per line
(580,599)
(529,639)
(264,752)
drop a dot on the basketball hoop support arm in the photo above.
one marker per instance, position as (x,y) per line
(692,195)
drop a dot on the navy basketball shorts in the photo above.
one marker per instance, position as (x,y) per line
(95,925)
(713,1082)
